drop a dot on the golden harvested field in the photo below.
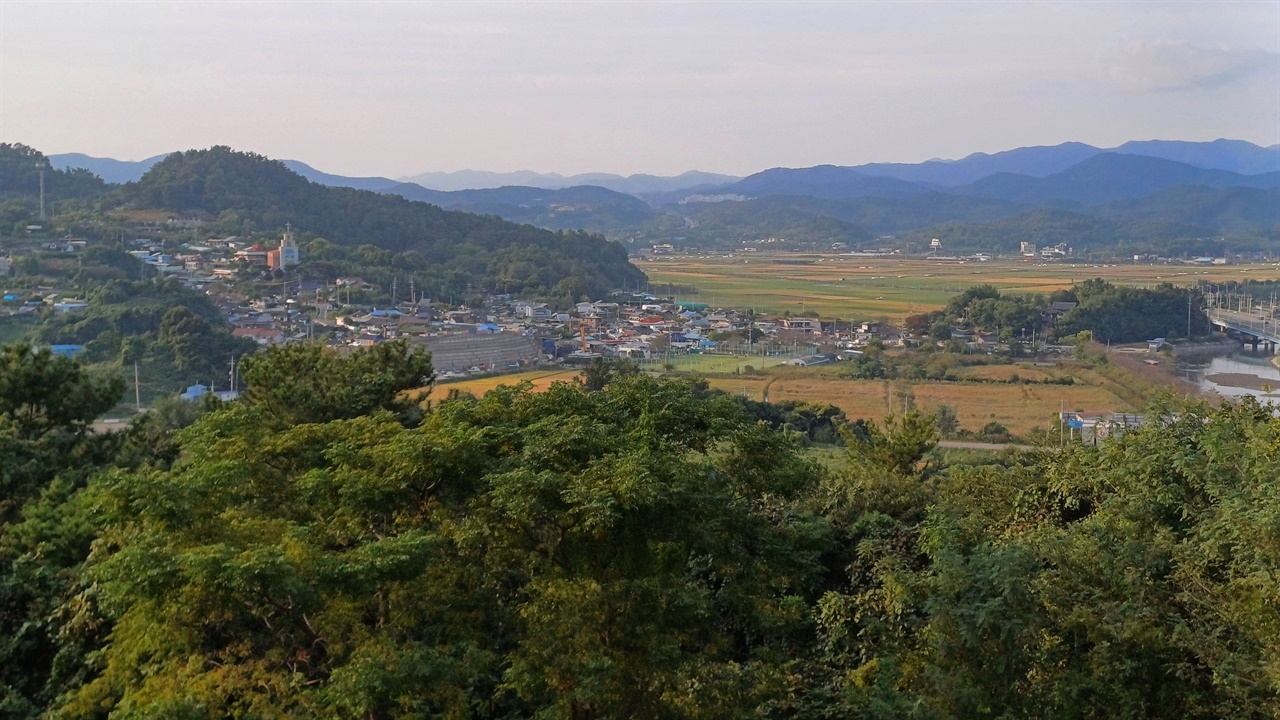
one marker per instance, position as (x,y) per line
(889,287)
(541,380)
(857,398)
(712,363)
(1005,373)
(1019,407)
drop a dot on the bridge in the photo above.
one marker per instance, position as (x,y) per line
(1254,329)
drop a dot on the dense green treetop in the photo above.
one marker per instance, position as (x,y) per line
(639,547)
(1111,313)
(311,383)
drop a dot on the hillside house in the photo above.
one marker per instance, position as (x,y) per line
(261,335)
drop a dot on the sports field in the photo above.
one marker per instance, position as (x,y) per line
(861,288)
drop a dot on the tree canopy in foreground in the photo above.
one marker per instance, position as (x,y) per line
(645,549)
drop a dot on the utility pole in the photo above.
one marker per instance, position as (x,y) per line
(1190,293)
(41,166)
(137,391)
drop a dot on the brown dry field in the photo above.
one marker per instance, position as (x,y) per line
(1019,407)
(1005,372)
(540,379)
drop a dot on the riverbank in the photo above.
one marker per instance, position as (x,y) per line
(1244,380)
(1236,375)
(1184,350)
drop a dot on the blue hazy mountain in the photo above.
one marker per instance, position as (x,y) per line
(377,184)
(1036,161)
(1234,155)
(586,206)
(1109,177)
(1041,161)
(122,171)
(630,184)
(823,181)
(828,181)
(109,169)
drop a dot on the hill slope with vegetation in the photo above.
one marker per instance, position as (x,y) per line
(484,252)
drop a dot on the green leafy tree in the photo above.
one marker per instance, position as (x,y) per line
(944,420)
(602,371)
(310,383)
(47,453)
(576,554)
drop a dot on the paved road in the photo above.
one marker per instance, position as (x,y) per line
(1265,328)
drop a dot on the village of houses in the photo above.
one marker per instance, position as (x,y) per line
(505,334)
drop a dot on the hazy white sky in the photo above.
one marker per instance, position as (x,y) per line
(399,88)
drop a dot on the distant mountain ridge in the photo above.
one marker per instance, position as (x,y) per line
(823,181)
(584,206)
(1108,177)
(109,169)
(1235,156)
(1141,192)
(123,171)
(630,184)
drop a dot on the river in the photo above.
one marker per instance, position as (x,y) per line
(1235,376)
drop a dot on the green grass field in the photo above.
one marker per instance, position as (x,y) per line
(863,288)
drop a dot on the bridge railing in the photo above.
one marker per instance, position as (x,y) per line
(1269,329)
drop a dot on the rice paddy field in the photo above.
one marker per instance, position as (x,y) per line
(712,363)
(1022,397)
(863,288)
(1020,407)
(540,379)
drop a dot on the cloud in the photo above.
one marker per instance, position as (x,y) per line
(1169,65)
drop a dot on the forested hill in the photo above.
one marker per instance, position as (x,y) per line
(20,177)
(482,251)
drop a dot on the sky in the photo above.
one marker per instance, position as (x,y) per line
(395,89)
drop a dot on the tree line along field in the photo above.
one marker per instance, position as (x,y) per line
(892,287)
